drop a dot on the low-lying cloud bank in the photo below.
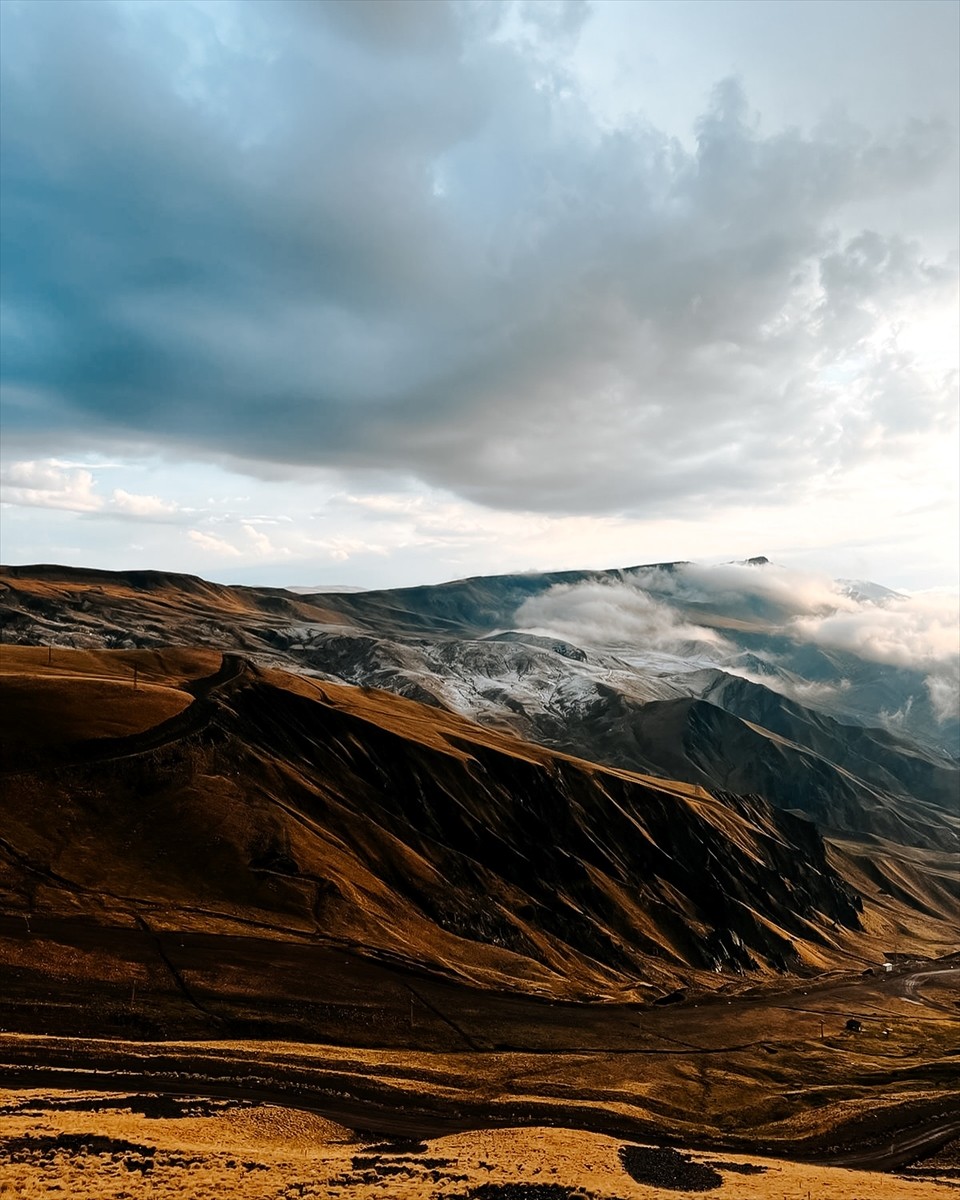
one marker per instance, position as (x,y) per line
(658,610)
(918,631)
(747,587)
(604,614)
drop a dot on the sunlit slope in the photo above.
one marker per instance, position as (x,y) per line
(675,716)
(77,607)
(329,812)
(52,700)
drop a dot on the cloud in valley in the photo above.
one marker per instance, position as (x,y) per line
(920,631)
(906,631)
(788,592)
(611,614)
(656,609)
(398,237)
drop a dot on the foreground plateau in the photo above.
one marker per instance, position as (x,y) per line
(101,1146)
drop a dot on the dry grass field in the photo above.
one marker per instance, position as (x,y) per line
(87,1146)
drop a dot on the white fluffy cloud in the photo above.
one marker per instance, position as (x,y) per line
(605,614)
(919,631)
(143,508)
(212,544)
(53,483)
(46,484)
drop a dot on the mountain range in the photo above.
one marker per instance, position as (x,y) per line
(726,697)
(565,824)
(693,734)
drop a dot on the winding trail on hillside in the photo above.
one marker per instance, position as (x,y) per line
(193,719)
(903,1149)
(910,988)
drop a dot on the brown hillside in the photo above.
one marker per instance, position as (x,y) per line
(340,900)
(252,801)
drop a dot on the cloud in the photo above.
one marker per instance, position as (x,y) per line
(656,610)
(863,619)
(262,544)
(804,691)
(143,508)
(920,631)
(605,614)
(285,234)
(213,544)
(54,483)
(944,692)
(773,589)
(47,485)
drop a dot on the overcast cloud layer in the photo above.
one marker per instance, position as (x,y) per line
(406,239)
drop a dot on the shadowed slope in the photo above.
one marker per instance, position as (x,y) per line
(703,726)
(331,812)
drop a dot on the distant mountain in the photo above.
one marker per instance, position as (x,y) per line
(302,590)
(186,774)
(755,629)
(755,711)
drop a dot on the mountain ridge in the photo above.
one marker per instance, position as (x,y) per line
(596,704)
(411,830)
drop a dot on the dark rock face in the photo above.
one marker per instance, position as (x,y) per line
(587,850)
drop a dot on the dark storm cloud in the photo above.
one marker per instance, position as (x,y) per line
(381,235)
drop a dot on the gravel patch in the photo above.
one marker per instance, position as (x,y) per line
(666,1168)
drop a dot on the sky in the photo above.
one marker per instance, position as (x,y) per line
(399,291)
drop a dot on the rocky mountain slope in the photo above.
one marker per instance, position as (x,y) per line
(670,710)
(219,879)
(701,726)
(256,796)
